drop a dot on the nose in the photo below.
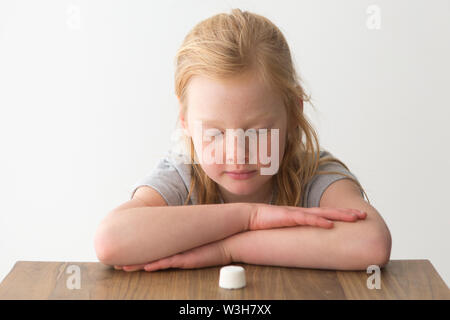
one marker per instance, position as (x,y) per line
(238,148)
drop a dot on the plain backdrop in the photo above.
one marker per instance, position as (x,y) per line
(88,106)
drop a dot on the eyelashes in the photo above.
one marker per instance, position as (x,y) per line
(217,132)
(213,132)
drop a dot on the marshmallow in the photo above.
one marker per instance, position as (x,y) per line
(232,277)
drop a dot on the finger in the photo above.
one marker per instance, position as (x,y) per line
(360,213)
(151,266)
(286,217)
(301,218)
(169,262)
(134,267)
(163,263)
(339,215)
(315,221)
(333,213)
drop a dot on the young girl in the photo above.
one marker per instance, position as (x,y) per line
(235,71)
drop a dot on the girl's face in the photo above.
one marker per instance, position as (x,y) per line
(243,103)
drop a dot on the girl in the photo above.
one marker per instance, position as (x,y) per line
(235,71)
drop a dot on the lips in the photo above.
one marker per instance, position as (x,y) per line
(241,175)
(240,172)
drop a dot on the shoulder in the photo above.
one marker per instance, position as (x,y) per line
(173,164)
(170,177)
(339,192)
(327,174)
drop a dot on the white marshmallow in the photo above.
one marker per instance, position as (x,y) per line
(232,277)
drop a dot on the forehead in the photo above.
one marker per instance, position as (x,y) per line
(243,98)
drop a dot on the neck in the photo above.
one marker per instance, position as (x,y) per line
(263,195)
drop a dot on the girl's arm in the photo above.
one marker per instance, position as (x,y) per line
(140,231)
(146,233)
(347,246)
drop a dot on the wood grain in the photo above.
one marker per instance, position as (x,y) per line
(400,279)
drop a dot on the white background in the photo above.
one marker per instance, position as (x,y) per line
(87,107)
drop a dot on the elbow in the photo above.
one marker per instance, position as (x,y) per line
(103,245)
(377,249)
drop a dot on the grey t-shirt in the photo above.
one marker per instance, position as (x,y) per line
(171,178)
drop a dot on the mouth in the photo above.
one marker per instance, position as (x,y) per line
(241,174)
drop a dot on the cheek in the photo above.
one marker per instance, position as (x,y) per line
(213,170)
(279,145)
(208,150)
(281,140)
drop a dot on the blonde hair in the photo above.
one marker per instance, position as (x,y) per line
(226,45)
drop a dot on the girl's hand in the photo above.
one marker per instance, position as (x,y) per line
(266,216)
(210,254)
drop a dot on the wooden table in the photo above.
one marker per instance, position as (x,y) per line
(400,279)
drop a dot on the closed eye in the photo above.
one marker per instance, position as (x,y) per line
(213,132)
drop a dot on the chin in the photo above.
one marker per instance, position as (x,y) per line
(239,187)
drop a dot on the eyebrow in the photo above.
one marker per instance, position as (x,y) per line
(258,119)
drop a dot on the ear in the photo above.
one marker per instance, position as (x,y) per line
(180,115)
(182,122)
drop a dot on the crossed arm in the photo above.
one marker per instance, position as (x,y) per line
(347,246)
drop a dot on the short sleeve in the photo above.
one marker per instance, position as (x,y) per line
(320,182)
(167,180)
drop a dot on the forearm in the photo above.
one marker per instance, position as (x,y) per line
(140,235)
(347,246)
